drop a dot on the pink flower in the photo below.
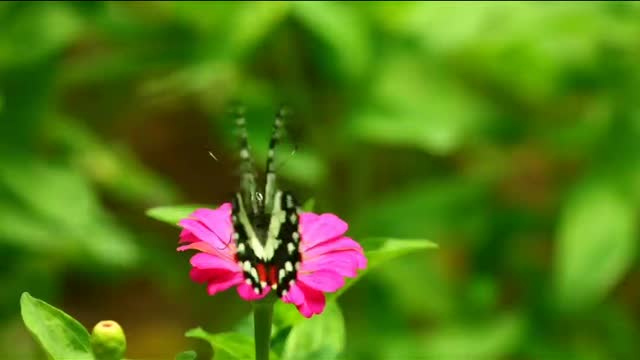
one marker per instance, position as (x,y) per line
(327,257)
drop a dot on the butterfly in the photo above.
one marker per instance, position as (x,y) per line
(265,221)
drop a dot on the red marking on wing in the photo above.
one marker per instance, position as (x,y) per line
(262,272)
(273,275)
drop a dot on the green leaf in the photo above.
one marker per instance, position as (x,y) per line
(112,167)
(253,23)
(61,336)
(596,244)
(381,250)
(53,192)
(187,355)
(492,340)
(173,214)
(234,345)
(418,106)
(52,209)
(440,207)
(378,251)
(321,337)
(309,205)
(340,28)
(33,33)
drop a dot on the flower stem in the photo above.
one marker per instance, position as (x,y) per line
(262,318)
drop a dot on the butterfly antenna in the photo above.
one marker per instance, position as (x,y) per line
(213,156)
(270,185)
(248,179)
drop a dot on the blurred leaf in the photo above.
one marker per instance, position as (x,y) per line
(492,340)
(20,228)
(321,337)
(284,316)
(305,167)
(173,214)
(439,207)
(20,274)
(200,79)
(301,166)
(207,17)
(48,189)
(434,298)
(33,31)
(112,167)
(377,251)
(415,105)
(25,103)
(109,244)
(596,244)
(381,250)
(234,345)
(253,23)
(494,43)
(60,335)
(341,29)
(187,355)
(59,211)
(309,205)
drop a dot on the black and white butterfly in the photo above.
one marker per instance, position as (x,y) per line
(265,221)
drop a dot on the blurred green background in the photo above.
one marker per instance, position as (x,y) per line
(508,133)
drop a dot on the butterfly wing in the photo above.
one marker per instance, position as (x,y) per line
(283,242)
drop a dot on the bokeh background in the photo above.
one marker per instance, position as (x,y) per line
(508,133)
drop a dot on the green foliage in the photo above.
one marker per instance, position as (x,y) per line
(61,336)
(228,346)
(597,244)
(478,341)
(321,337)
(187,355)
(173,214)
(379,251)
(40,190)
(507,133)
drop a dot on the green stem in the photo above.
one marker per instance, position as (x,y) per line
(262,318)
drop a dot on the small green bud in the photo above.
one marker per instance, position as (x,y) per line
(108,341)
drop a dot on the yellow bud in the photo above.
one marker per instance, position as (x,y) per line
(108,341)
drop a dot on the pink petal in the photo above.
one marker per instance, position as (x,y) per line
(209,261)
(294,295)
(206,275)
(356,256)
(344,263)
(219,238)
(336,244)
(316,229)
(308,218)
(305,310)
(315,300)
(219,218)
(200,245)
(323,280)
(217,286)
(187,236)
(207,248)
(308,300)
(246,292)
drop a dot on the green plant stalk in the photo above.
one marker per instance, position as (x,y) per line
(262,319)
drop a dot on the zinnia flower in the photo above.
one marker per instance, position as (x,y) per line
(327,257)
